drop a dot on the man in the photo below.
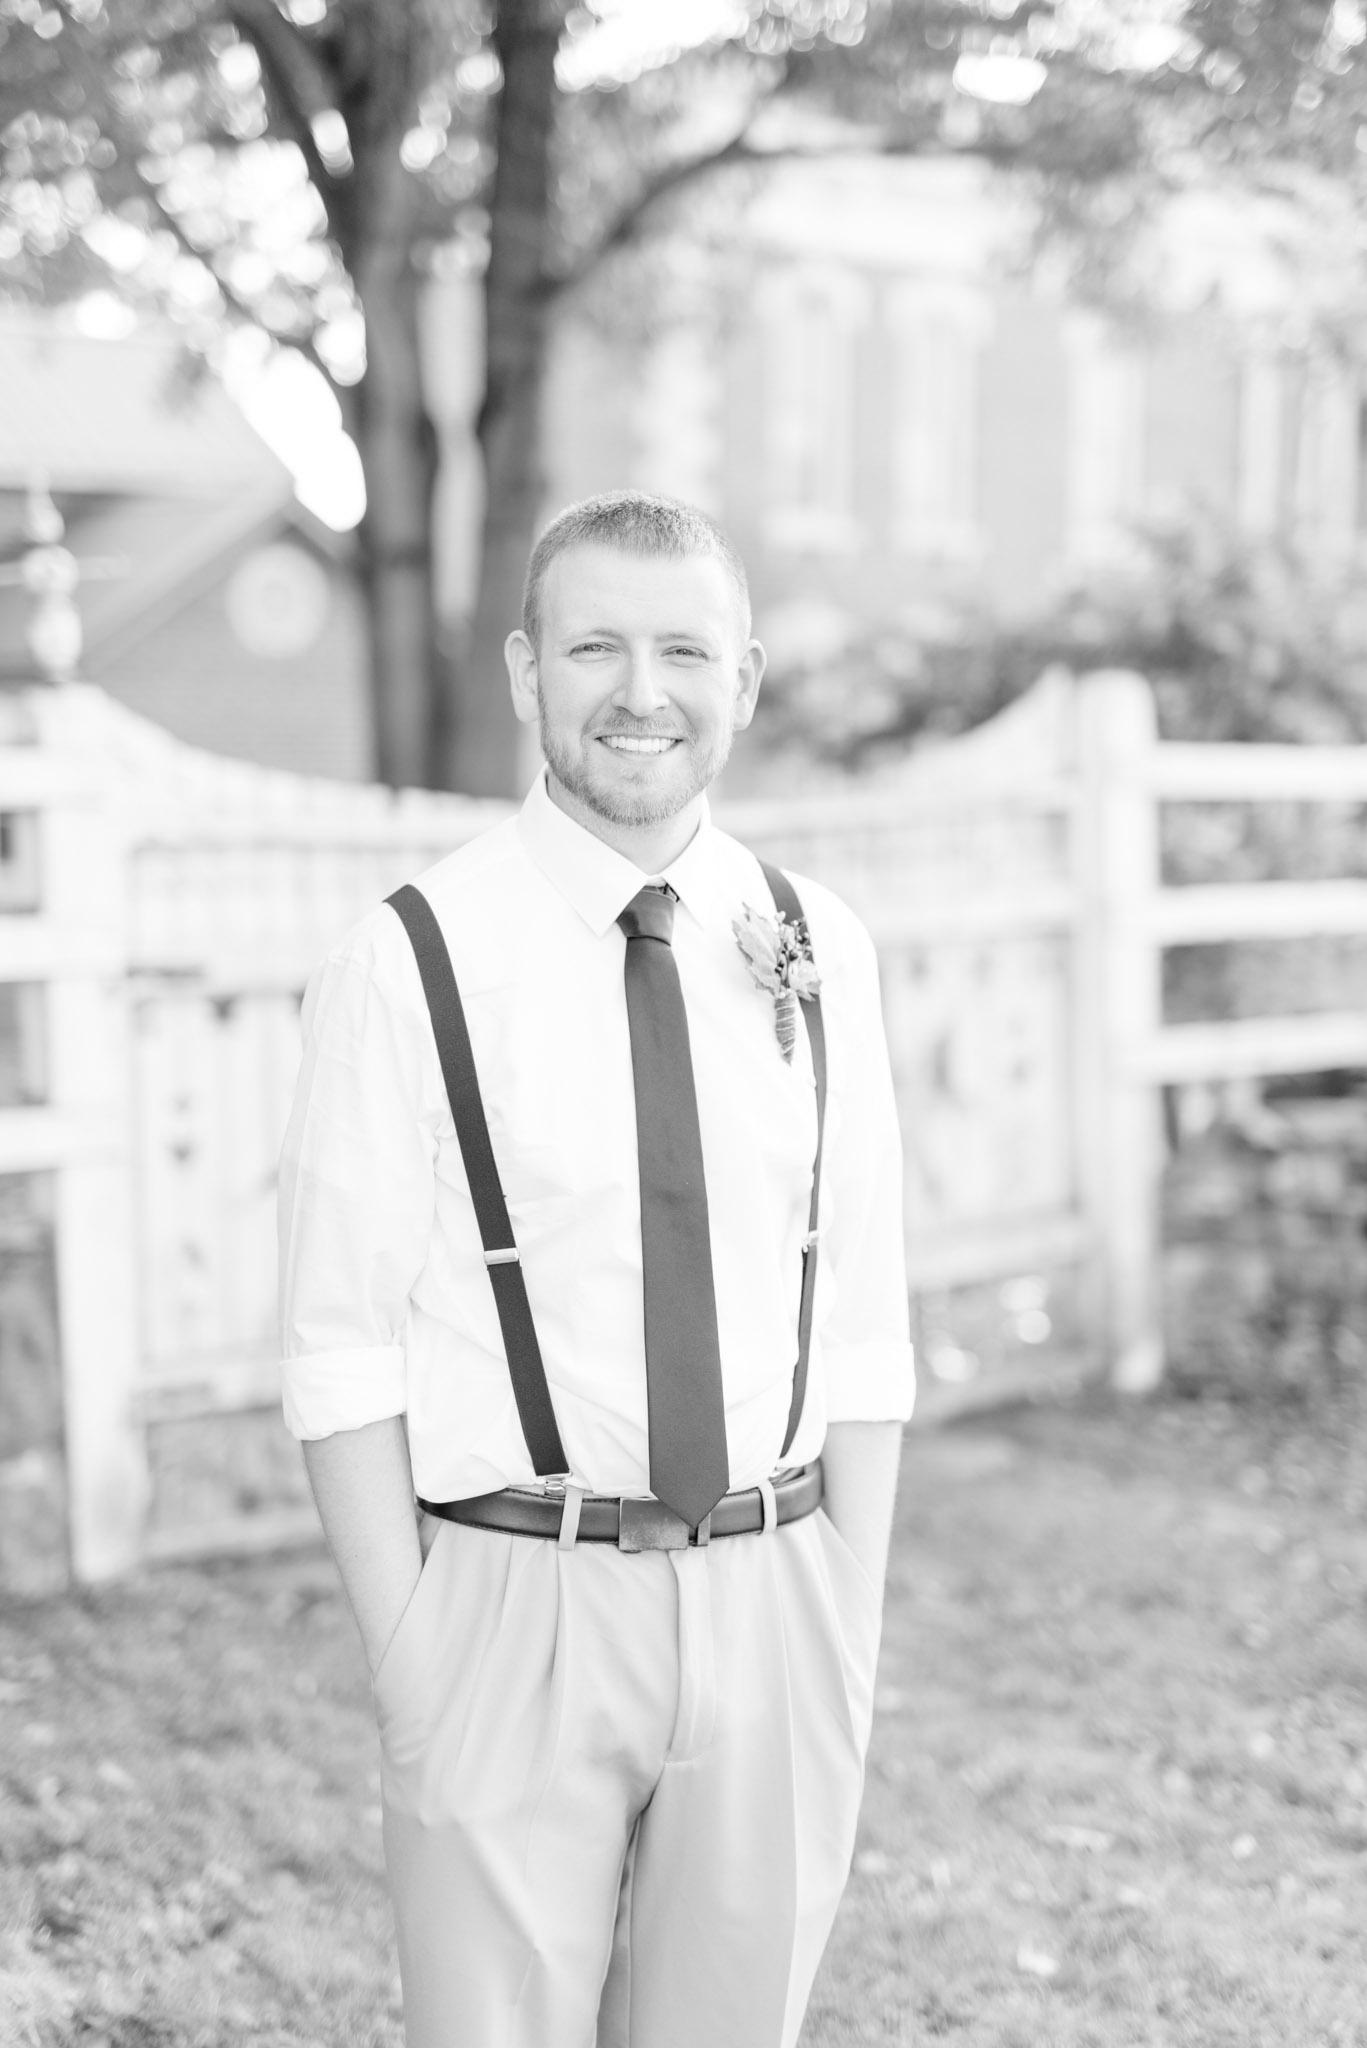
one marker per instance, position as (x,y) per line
(622,1662)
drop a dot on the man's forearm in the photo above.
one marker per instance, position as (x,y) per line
(860,1461)
(363,1485)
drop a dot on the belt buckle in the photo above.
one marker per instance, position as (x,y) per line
(650,1525)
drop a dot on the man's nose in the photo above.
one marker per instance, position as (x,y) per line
(640,690)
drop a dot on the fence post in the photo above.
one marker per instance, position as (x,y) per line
(1119,1127)
(84,885)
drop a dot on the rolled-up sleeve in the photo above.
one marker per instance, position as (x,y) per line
(356,1202)
(865,1332)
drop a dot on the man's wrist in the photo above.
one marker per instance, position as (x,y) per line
(860,1461)
(381,1620)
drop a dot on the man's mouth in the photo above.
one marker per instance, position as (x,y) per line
(642,743)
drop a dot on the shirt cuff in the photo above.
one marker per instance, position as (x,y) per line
(869,1382)
(325,1391)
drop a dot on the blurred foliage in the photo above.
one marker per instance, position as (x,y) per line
(232,158)
(218,158)
(1282,79)
(297,166)
(1242,640)
(1265,1283)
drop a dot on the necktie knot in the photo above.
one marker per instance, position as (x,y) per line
(650,914)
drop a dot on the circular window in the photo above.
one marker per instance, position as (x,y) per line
(277,601)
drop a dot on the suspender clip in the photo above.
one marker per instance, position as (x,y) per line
(569,1516)
(507,1256)
(809,1242)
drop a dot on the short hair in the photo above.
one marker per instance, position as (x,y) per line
(637,523)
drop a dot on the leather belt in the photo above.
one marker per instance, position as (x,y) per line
(633,1524)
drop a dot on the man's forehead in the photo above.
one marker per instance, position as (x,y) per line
(589,576)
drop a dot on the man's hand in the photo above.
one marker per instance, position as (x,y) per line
(860,1461)
(363,1485)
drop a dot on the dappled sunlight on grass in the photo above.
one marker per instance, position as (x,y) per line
(189,1828)
(1118,1791)
(1117,1794)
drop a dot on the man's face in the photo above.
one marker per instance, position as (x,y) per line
(641,679)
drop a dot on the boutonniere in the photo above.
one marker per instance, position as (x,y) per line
(779,957)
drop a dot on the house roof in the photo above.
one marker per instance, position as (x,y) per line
(161,483)
(120,416)
(149,557)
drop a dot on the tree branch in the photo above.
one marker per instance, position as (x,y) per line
(242,307)
(673,178)
(676,178)
(299,86)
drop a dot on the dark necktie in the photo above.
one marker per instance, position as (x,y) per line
(689,1470)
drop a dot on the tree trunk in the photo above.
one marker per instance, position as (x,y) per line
(398,449)
(480,746)
(376,214)
(486,746)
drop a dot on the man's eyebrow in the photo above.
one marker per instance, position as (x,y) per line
(617,633)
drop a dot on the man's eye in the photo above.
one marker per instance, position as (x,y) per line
(590,647)
(694,653)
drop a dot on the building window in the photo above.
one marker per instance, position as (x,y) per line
(811,323)
(1107,408)
(938,336)
(1326,473)
(1260,490)
(1300,468)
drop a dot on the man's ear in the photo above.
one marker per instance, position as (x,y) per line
(520,656)
(749,676)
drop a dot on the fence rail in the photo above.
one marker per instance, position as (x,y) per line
(1218,913)
(1241,1048)
(1233,772)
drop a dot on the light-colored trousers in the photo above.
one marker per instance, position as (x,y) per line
(620,1791)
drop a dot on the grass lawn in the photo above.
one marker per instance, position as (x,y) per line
(1117,1794)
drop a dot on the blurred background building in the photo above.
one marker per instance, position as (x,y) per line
(211,600)
(911,425)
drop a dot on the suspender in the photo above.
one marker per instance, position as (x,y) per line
(525,1368)
(786,900)
(528,1374)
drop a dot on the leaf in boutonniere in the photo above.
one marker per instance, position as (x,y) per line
(760,943)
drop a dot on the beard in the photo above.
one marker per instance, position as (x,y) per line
(575,772)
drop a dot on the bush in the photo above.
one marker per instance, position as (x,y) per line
(1242,641)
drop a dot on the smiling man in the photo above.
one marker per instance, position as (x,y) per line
(594,1259)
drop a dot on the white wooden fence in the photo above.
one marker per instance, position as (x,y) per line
(161,908)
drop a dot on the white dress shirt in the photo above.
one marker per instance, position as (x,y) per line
(386,1306)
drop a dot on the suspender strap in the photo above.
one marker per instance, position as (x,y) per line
(525,1368)
(786,900)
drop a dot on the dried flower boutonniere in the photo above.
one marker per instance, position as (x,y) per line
(779,957)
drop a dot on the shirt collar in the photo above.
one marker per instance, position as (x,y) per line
(598,881)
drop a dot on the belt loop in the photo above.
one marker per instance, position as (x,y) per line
(703,1533)
(769,1504)
(569,1516)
